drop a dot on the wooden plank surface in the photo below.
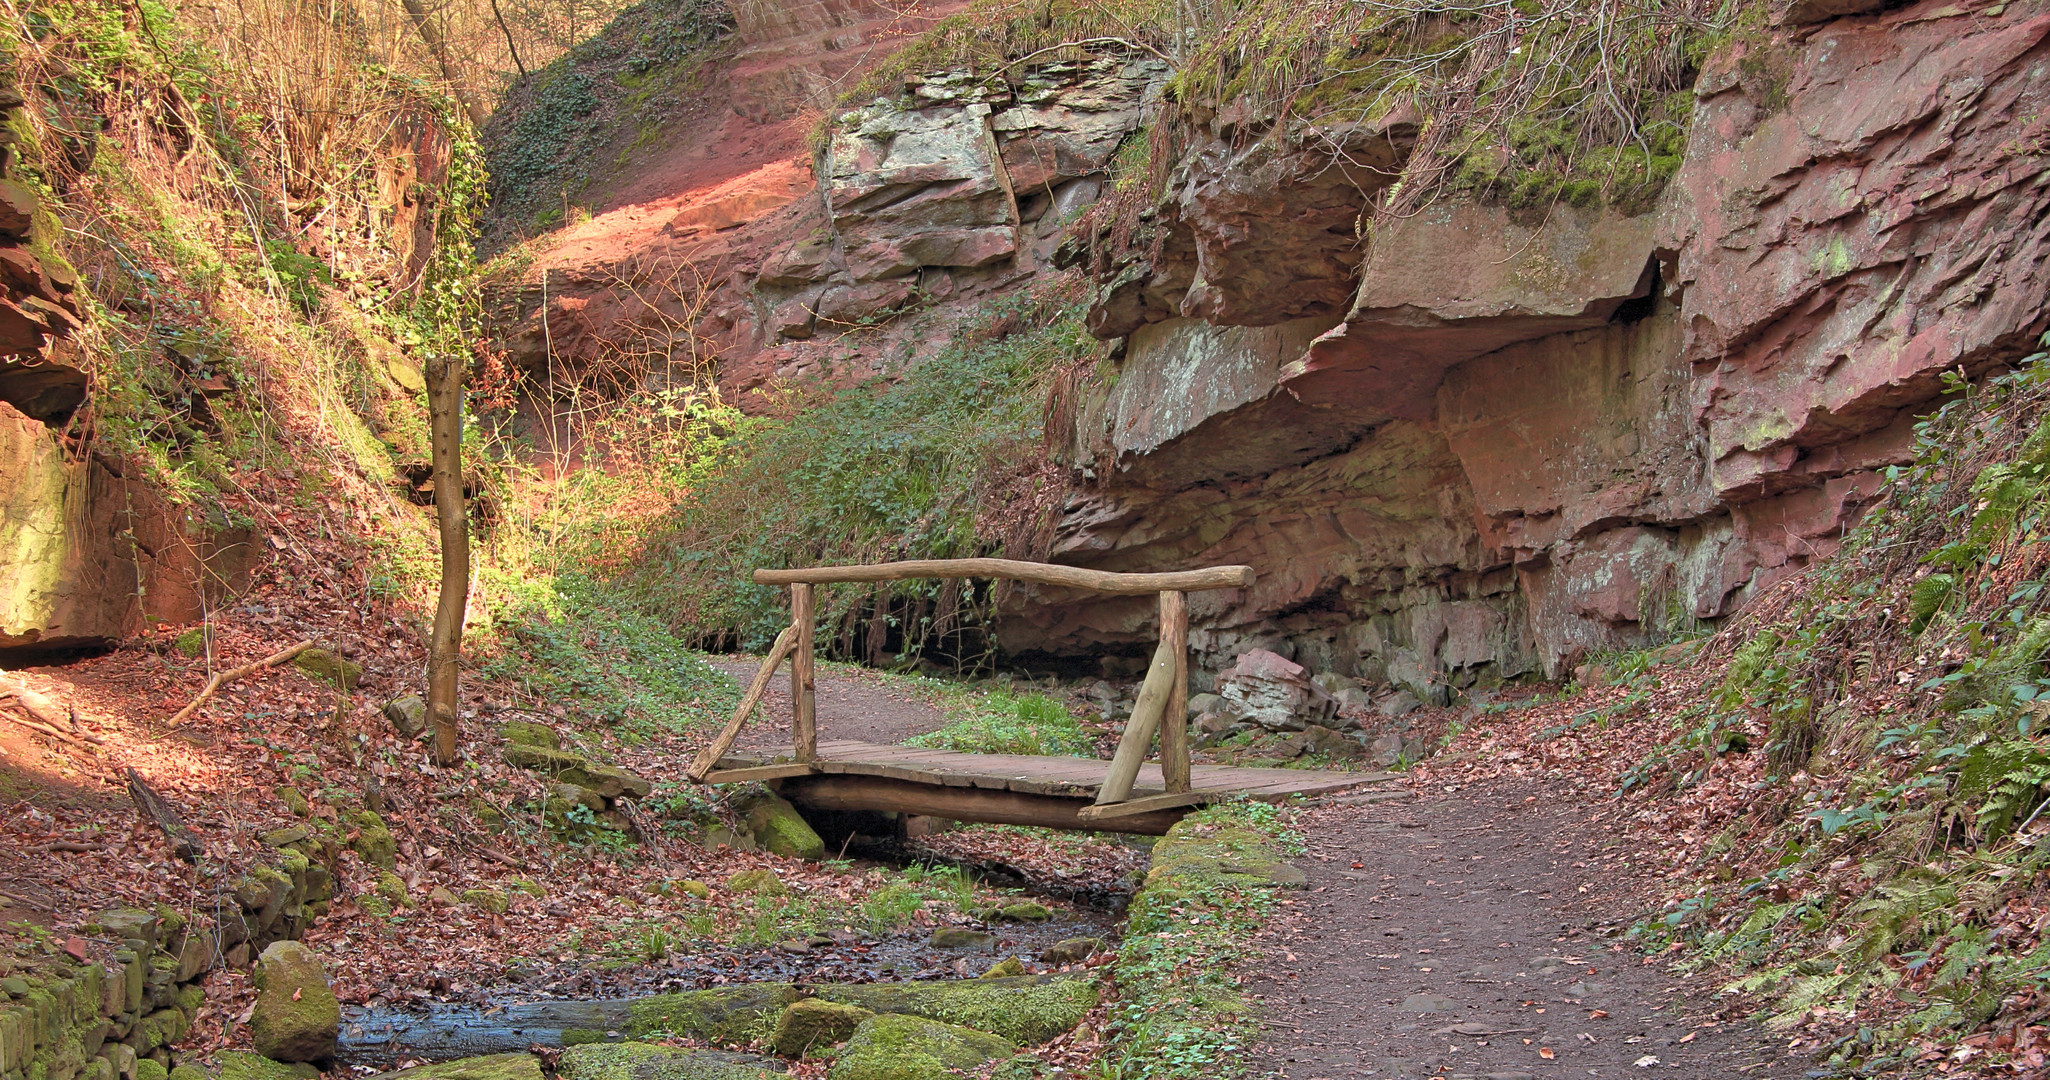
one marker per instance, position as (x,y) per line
(1076,778)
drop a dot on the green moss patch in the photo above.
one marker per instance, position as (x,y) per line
(731,1015)
(486,1067)
(898,1047)
(814,1024)
(1031,1009)
(646,1061)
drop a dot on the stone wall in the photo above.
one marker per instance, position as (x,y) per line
(83,1009)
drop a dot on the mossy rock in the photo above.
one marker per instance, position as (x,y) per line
(759,882)
(393,888)
(1027,1009)
(959,937)
(528,733)
(1072,950)
(295,801)
(728,1014)
(330,666)
(487,1067)
(528,887)
(646,1061)
(573,769)
(181,1072)
(248,1065)
(815,1024)
(1008,967)
(191,643)
(780,829)
(296,1016)
(1025,911)
(490,900)
(152,1069)
(374,841)
(895,1047)
(374,905)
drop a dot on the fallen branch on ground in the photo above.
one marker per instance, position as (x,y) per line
(154,807)
(222,678)
(49,717)
(83,742)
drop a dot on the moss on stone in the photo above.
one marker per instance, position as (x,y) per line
(393,888)
(815,1023)
(329,666)
(528,887)
(760,882)
(527,733)
(490,900)
(295,801)
(780,829)
(374,841)
(248,1065)
(1008,967)
(1025,911)
(150,1069)
(727,1014)
(486,1067)
(181,1072)
(894,1047)
(374,905)
(646,1061)
(296,1016)
(1028,1009)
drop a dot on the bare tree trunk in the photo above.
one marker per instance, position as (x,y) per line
(445,649)
(438,45)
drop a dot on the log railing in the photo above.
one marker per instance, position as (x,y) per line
(1162,705)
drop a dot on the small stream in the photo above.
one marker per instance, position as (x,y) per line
(535,1005)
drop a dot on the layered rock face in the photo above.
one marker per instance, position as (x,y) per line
(83,551)
(1468,447)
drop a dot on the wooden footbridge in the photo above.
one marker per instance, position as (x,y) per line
(1124,794)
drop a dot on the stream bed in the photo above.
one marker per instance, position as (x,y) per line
(535,1004)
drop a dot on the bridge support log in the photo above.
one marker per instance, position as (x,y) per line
(708,758)
(804,726)
(1138,736)
(1174,720)
(847,792)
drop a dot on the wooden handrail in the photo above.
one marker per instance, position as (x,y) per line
(1214,577)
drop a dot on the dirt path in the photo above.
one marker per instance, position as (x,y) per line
(850,706)
(1459,938)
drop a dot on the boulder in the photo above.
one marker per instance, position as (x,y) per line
(646,1061)
(1008,967)
(815,1023)
(490,900)
(573,769)
(1274,692)
(1027,1009)
(762,882)
(1201,705)
(1385,750)
(330,666)
(1025,911)
(1399,703)
(373,841)
(1071,950)
(779,828)
(408,715)
(911,1048)
(528,733)
(487,1067)
(294,801)
(727,1014)
(959,937)
(296,1016)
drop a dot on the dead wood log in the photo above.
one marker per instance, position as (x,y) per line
(222,678)
(154,807)
(710,755)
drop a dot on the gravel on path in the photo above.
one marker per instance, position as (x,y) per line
(1461,936)
(850,706)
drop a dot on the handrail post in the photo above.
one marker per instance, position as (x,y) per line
(804,732)
(1174,721)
